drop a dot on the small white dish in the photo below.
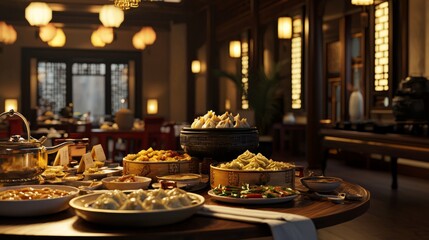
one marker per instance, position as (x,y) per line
(140,183)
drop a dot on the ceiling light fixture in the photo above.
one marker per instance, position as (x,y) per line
(38,14)
(146,36)
(96,40)
(59,40)
(47,32)
(106,34)
(8,33)
(111,16)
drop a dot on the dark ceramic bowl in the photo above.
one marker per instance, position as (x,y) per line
(221,144)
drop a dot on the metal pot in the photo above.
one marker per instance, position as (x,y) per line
(22,161)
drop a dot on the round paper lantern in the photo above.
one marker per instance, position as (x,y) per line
(47,32)
(38,14)
(111,16)
(96,40)
(105,34)
(59,40)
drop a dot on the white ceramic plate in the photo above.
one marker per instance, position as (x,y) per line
(103,173)
(132,217)
(251,200)
(37,207)
(140,182)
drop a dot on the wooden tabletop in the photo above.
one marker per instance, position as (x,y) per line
(68,226)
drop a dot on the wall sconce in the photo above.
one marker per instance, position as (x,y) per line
(196,66)
(362,2)
(111,16)
(284,27)
(38,13)
(59,40)
(10,103)
(152,106)
(235,49)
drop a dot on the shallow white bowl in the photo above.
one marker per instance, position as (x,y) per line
(321,183)
(189,179)
(36,207)
(140,183)
(130,218)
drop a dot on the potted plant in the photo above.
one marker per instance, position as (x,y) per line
(265,95)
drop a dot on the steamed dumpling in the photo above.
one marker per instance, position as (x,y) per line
(153,204)
(209,124)
(209,115)
(172,202)
(106,203)
(175,191)
(132,204)
(158,194)
(198,123)
(225,124)
(139,194)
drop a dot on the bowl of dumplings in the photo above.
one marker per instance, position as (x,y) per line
(138,207)
(254,169)
(221,137)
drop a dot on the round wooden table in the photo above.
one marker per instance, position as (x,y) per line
(66,225)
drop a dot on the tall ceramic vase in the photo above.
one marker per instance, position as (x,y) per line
(356,106)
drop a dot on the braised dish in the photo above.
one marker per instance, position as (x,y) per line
(321,183)
(137,208)
(152,163)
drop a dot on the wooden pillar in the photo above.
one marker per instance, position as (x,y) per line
(212,91)
(313,80)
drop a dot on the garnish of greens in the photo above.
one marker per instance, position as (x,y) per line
(254,191)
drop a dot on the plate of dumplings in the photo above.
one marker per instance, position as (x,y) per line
(138,207)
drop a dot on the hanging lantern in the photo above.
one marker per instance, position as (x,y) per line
(3,31)
(8,34)
(11,35)
(138,41)
(47,32)
(105,34)
(196,66)
(284,28)
(111,16)
(149,35)
(96,40)
(59,40)
(38,14)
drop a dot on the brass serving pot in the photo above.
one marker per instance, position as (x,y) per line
(22,161)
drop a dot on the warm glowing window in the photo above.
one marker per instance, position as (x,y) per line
(381,61)
(245,75)
(296,59)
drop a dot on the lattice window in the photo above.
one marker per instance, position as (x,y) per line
(51,78)
(296,59)
(381,61)
(119,85)
(245,75)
